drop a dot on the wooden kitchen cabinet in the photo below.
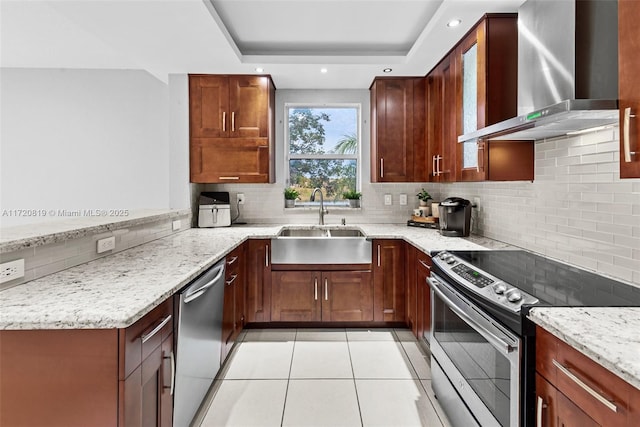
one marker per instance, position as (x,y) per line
(86,377)
(565,402)
(398,146)
(418,297)
(389,280)
(258,288)
(231,125)
(629,87)
(233,316)
(328,296)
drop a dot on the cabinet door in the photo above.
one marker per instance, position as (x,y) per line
(347,296)
(442,135)
(228,315)
(545,403)
(249,106)
(389,281)
(258,281)
(570,415)
(240,291)
(423,309)
(167,383)
(208,106)
(392,136)
(629,87)
(411,297)
(231,160)
(295,296)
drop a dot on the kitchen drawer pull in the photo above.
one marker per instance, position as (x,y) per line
(600,398)
(233,279)
(232,260)
(627,135)
(224,121)
(147,337)
(381,168)
(541,406)
(233,121)
(315,289)
(378,255)
(424,264)
(326,289)
(230,178)
(172,358)
(266,256)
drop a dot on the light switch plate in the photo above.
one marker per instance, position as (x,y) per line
(387,199)
(403,199)
(11,270)
(107,244)
(176,225)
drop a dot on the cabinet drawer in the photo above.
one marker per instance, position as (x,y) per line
(234,259)
(139,340)
(599,393)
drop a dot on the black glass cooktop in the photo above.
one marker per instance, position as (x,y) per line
(553,283)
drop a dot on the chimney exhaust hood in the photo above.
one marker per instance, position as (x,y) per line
(567,71)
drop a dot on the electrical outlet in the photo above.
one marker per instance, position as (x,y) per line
(107,244)
(176,225)
(403,199)
(476,203)
(387,199)
(241,198)
(11,270)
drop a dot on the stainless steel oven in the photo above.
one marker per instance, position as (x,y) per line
(475,361)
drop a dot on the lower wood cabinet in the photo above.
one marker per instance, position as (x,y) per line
(89,377)
(233,311)
(258,297)
(418,297)
(573,390)
(389,280)
(328,296)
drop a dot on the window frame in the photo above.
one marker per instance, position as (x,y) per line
(329,156)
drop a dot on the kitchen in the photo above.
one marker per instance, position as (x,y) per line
(575,210)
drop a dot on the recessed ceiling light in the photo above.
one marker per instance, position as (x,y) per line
(259,70)
(454,23)
(387,70)
(323,70)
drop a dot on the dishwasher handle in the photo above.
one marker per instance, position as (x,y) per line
(192,294)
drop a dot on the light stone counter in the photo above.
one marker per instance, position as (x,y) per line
(608,335)
(116,291)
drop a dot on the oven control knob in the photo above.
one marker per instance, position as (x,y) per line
(443,255)
(450,260)
(514,296)
(499,288)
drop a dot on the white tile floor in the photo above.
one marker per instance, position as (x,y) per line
(330,377)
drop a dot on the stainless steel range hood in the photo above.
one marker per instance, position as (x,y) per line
(567,71)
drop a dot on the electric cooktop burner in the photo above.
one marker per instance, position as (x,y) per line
(549,282)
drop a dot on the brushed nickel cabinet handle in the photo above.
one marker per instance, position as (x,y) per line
(480,148)
(315,289)
(233,279)
(424,264)
(433,165)
(627,135)
(541,405)
(224,121)
(230,178)
(326,289)
(573,377)
(266,256)
(232,260)
(381,167)
(233,121)
(378,255)
(147,337)
(172,359)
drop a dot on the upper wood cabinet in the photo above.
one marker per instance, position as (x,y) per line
(231,126)
(398,147)
(629,87)
(487,93)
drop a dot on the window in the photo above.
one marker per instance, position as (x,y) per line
(323,150)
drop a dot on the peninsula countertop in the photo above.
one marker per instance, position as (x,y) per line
(117,290)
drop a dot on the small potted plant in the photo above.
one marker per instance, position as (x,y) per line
(290,196)
(354,198)
(424,197)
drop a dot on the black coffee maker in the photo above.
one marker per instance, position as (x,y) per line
(455,217)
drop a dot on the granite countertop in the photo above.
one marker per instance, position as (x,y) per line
(116,291)
(608,335)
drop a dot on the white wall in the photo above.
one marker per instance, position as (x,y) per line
(83,139)
(179,189)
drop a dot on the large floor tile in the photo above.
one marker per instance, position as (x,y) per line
(380,359)
(259,360)
(443,417)
(274,335)
(247,403)
(395,403)
(370,335)
(419,359)
(313,359)
(321,335)
(321,403)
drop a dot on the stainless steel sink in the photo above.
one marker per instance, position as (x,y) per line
(326,245)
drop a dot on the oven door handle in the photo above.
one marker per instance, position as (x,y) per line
(495,341)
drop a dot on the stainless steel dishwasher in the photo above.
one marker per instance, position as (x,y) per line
(199,342)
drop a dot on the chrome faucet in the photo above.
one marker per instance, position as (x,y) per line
(323,211)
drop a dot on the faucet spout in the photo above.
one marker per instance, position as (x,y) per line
(322,211)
